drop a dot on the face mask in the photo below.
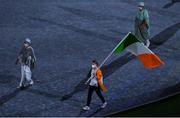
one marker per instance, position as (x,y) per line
(93,66)
(140,8)
(25,45)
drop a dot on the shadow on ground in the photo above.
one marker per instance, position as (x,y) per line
(11,95)
(170,4)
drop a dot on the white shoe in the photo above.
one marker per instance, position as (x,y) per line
(19,87)
(104,105)
(86,108)
(31,83)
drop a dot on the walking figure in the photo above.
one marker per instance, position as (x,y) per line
(142,26)
(96,84)
(26,59)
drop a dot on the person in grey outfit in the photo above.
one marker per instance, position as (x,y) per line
(26,59)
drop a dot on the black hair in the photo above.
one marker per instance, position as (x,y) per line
(95,62)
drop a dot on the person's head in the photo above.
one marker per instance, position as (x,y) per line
(141,6)
(27,42)
(95,64)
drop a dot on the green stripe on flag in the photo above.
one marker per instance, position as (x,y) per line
(130,39)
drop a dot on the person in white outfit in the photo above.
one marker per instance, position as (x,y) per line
(95,84)
(26,59)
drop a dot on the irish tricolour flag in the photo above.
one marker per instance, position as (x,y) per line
(131,44)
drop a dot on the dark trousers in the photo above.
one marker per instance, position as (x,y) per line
(98,92)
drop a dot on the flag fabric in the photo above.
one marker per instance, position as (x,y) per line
(131,44)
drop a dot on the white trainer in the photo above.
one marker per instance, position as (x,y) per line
(19,87)
(104,105)
(86,108)
(31,83)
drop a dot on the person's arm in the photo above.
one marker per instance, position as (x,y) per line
(146,18)
(29,56)
(33,55)
(19,56)
(99,77)
(89,76)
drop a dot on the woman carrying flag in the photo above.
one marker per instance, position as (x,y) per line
(96,84)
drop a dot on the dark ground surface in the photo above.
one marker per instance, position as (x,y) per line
(66,36)
(164,108)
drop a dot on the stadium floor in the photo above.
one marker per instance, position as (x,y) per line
(66,36)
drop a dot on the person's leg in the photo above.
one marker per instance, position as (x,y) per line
(98,92)
(28,75)
(90,92)
(22,76)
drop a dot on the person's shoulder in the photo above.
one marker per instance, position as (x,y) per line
(30,48)
(99,71)
(145,11)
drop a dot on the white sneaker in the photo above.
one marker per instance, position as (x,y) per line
(104,105)
(31,83)
(86,108)
(19,87)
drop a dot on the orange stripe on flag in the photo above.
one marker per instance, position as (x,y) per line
(150,60)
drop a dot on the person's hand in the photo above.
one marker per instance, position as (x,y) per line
(86,83)
(17,61)
(94,74)
(29,58)
(142,27)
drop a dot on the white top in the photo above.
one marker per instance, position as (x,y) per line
(93,80)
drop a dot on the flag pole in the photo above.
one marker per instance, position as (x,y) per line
(110,54)
(113,50)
